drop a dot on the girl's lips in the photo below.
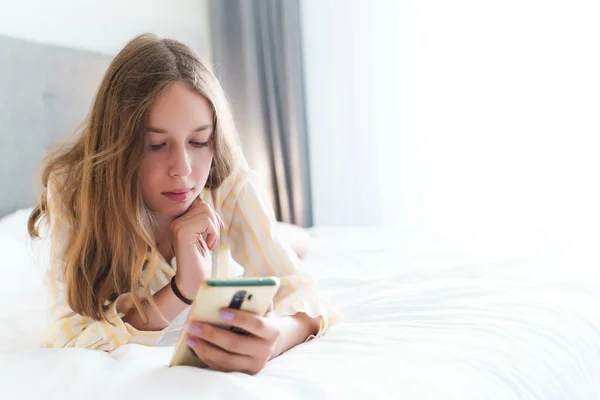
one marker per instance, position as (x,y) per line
(178,195)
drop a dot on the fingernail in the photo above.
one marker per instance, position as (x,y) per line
(191,341)
(194,329)
(226,315)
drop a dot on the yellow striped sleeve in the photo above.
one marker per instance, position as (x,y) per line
(257,246)
(67,328)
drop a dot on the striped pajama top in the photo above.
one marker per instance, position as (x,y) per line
(249,240)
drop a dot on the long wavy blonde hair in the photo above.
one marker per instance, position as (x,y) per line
(94,179)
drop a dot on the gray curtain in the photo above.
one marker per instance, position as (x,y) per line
(256,47)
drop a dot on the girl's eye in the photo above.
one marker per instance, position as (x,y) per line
(156,147)
(199,144)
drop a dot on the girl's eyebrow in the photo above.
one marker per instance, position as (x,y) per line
(159,130)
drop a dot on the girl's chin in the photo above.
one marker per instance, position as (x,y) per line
(177,209)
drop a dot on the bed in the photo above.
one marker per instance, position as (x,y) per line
(424,317)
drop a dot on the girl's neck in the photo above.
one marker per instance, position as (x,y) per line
(162,236)
(162,229)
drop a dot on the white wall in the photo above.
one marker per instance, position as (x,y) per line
(494,127)
(509,92)
(105,26)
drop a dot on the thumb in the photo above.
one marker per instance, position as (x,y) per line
(269,309)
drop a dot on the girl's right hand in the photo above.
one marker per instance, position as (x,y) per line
(192,252)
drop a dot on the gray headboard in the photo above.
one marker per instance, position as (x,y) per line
(45,93)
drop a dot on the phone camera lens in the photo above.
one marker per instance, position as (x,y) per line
(249,297)
(237,300)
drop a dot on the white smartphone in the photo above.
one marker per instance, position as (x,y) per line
(248,294)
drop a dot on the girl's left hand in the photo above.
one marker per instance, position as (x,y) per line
(223,350)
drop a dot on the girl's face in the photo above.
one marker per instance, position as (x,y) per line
(175,170)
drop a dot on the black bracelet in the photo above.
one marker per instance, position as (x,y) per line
(178,293)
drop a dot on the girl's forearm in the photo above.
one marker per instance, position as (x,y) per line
(295,329)
(168,304)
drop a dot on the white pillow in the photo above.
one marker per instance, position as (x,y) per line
(23,306)
(15,224)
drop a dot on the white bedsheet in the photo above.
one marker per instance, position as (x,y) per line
(424,318)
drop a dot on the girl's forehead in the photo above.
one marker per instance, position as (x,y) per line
(180,107)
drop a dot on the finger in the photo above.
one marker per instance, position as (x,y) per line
(218,359)
(202,246)
(199,207)
(212,235)
(226,340)
(221,223)
(212,215)
(216,223)
(250,322)
(196,208)
(198,201)
(202,208)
